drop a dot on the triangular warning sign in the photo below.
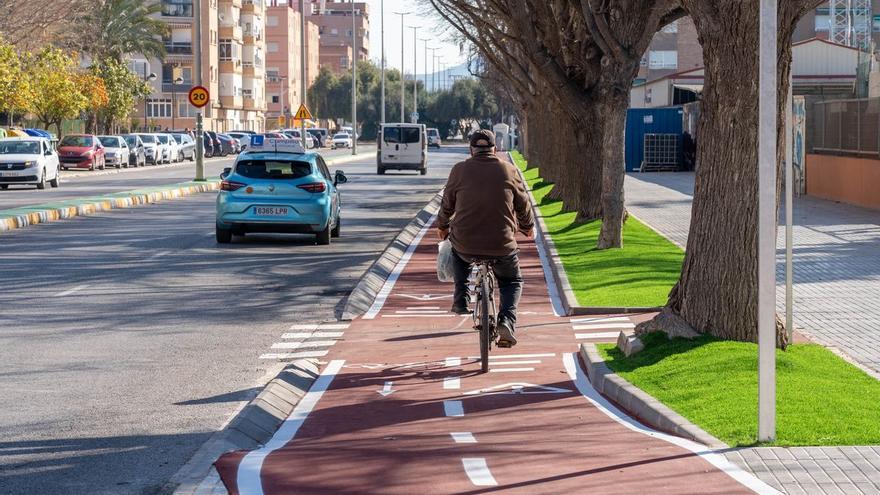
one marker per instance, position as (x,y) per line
(519,388)
(303,113)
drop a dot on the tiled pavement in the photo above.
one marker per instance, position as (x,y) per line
(836,290)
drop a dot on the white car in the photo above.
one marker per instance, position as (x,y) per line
(243,138)
(30,160)
(341,140)
(295,134)
(434,137)
(116,151)
(168,146)
(151,148)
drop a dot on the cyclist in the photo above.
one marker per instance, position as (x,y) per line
(484,205)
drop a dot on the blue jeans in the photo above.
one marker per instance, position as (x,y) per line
(507,273)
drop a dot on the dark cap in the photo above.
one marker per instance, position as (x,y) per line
(483,138)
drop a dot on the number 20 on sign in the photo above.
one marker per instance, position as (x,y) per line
(198,96)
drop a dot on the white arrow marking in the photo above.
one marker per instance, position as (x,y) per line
(386,390)
(519,388)
(425,297)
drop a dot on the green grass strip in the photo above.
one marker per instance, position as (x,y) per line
(639,274)
(821,399)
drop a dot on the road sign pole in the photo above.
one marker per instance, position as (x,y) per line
(304,83)
(200,148)
(354,71)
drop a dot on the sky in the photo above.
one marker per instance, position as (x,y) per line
(430,25)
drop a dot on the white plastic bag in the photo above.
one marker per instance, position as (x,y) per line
(445,271)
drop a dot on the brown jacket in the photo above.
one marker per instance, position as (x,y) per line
(485,203)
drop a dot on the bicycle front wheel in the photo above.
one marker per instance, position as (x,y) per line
(485,323)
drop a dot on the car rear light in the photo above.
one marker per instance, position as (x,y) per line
(314,187)
(228,185)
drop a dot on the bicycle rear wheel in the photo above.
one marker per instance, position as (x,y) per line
(485,323)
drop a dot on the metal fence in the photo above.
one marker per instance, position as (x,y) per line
(844,127)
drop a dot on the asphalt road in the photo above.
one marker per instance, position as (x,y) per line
(78,183)
(129,337)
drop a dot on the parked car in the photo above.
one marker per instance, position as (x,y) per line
(168,147)
(283,189)
(321,136)
(186,146)
(151,148)
(402,147)
(137,154)
(296,134)
(228,144)
(208,144)
(218,145)
(116,151)
(341,140)
(30,160)
(81,151)
(434,138)
(243,138)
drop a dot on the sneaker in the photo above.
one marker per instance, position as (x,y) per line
(505,335)
(460,309)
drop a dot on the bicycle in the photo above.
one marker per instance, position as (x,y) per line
(485,313)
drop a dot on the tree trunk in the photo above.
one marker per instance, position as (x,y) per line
(613,110)
(718,287)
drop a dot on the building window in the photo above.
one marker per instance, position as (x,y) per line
(334,31)
(271,21)
(272,47)
(275,99)
(663,59)
(159,108)
(177,8)
(823,19)
(184,109)
(671,28)
(247,93)
(343,62)
(229,50)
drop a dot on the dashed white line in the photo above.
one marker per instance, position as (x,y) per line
(420,312)
(463,437)
(422,307)
(71,291)
(307,327)
(333,326)
(310,335)
(604,326)
(297,345)
(421,315)
(294,355)
(597,335)
(506,363)
(452,383)
(158,255)
(607,319)
(515,356)
(452,362)
(506,370)
(453,408)
(478,471)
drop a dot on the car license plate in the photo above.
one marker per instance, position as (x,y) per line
(272,211)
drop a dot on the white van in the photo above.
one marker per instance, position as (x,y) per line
(402,147)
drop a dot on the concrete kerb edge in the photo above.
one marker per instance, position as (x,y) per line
(93,206)
(361,298)
(253,426)
(640,404)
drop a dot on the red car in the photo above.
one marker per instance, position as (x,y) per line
(81,151)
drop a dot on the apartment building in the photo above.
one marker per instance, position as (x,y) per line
(334,23)
(283,54)
(233,66)
(675,48)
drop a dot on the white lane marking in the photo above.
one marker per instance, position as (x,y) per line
(478,471)
(519,388)
(294,355)
(452,383)
(515,356)
(422,307)
(386,389)
(158,255)
(383,294)
(307,327)
(463,437)
(552,290)
(333,326)
(312,335)
(602,404)
(71,291)
(604,326)
(423,315)
(420,312)
(597,335)
(452,362)
(505,363)
(248,477)
(453,408)
(505,370)
(425,297)
(297,345)
(608,319)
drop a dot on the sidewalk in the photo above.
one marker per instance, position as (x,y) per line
(836,289)
(400,407)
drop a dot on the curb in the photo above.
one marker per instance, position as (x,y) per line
(638,403)
(568,299)
(46,213)
(79,174)
(361,298)
(252,427)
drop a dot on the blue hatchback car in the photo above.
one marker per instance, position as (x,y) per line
(276,186)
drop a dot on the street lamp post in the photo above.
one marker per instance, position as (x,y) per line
(354,57)
(415,74)
(147,78)
(382,98)
(402,78)
(174,84)
(304,84)
(425,41)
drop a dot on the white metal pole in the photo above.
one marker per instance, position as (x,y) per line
(402,76)
(767,113)
(354,57)
(789,212)
(382,98)
(197,73)
(415,73)
(304,84)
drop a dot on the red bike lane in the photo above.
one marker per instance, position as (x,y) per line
(401,407)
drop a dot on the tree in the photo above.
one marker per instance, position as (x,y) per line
(53,78)
(30,25)
(114,28)
(15,92)
(123,89)
(718,287)
(94,91)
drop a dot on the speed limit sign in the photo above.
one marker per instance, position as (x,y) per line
(198,96)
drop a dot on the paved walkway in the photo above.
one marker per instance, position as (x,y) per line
(836,289)
(401,407)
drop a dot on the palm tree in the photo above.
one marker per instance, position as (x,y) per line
(116,28)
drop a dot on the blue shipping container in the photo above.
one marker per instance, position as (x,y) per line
(641,121)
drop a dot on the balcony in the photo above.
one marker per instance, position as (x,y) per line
(252,104)
(230,66)
(182,88)
(251,36)
(231,31)
(230,101)
(179,47)
(177,8)
(253,7)
(235,3)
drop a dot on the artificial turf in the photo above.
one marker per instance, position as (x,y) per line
(821,399)
(638,275)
